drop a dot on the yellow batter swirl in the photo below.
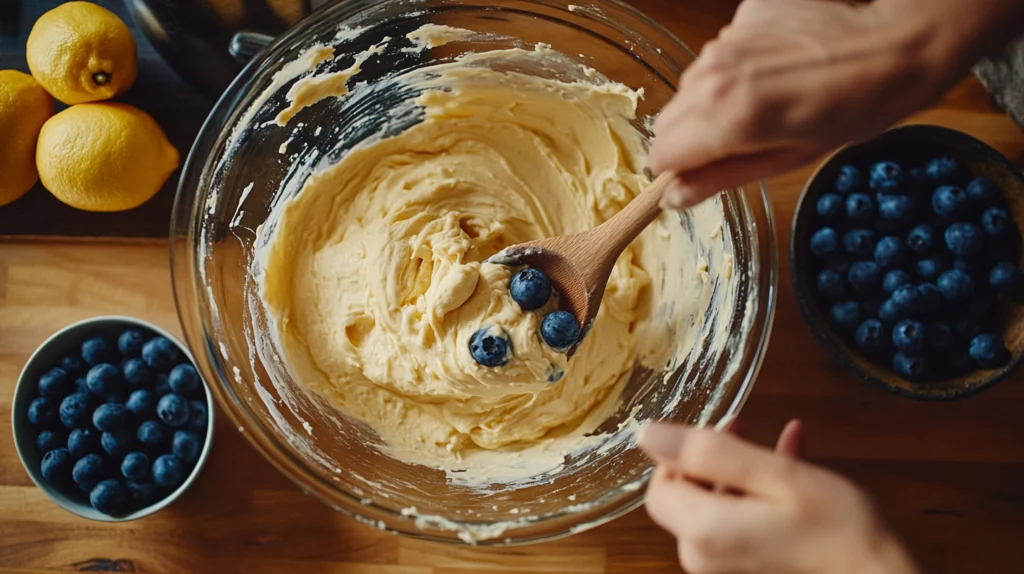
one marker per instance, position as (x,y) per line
(375,275)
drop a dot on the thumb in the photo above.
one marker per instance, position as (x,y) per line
(792,440)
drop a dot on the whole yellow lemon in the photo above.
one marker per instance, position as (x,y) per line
(104,156)
(82,52)
(24,108)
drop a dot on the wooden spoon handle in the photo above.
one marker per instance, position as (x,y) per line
(621,229)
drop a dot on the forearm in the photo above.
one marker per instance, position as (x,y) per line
(950,36)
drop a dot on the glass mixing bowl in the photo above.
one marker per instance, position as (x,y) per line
(235,176)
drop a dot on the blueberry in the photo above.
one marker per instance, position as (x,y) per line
(949,201)
(846,315)
(98,350)
(186,446)
(982,192)
(135,372)
(860,243)
(130,342)
(50,440)
(75,410)
(970,265)
(848,180)
(917,177)
(161,385)
(930,298)
(42,413)
(110,417)
(82,386)
(829,207)
(198,416)
(938,337)
(83,441)
(135,466)
(168,471)
(870,335)
(840,265)
(964,239)
(142,493)
(555,373)
(172,408)
(888,313)
(885,177)
(560,330)
(1005,278)
(930,268)
(73,365)
(831,284)
(117,443)
(152,434)
(110,497)
(894,279)
(860,208)
(909,336)
(988,351)
(941,169)
(955,285)
(825,242)
(865,276)
(921,239)
(889,252)
(996,222)
(105,379)
(907,300)
(88,471)
(56,466)
(184,380)
(531,288)
(897,209)
(909,366)
(141,403)
(55,383)
(160,353)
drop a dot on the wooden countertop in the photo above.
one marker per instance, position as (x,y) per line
(949,477)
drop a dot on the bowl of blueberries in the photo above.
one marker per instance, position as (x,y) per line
(111,418)
(905,258)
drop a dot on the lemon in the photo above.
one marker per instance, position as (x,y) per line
(104,156)
(24,108)
(81,52)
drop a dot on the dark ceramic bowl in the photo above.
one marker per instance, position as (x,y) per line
(908,145)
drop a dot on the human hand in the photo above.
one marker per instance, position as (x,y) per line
(789,80)
(735,507)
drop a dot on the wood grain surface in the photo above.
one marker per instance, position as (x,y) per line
(949,477)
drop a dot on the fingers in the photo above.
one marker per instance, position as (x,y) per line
(684,508)
(713,457)
(791,440)
(693,186)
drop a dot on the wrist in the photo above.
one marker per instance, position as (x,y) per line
(947,37)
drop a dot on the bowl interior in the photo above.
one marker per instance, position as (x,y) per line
(235,177)
(910,145)
(62,343)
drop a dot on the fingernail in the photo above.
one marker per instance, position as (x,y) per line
(676,196)
(662,441)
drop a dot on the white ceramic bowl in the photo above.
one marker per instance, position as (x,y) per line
(65,342)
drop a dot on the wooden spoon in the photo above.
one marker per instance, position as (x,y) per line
(578,265)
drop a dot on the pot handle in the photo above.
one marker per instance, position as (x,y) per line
(245,45)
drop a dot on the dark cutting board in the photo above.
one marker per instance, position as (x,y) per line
(177,107)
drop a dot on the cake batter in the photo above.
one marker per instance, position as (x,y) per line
(376,281)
